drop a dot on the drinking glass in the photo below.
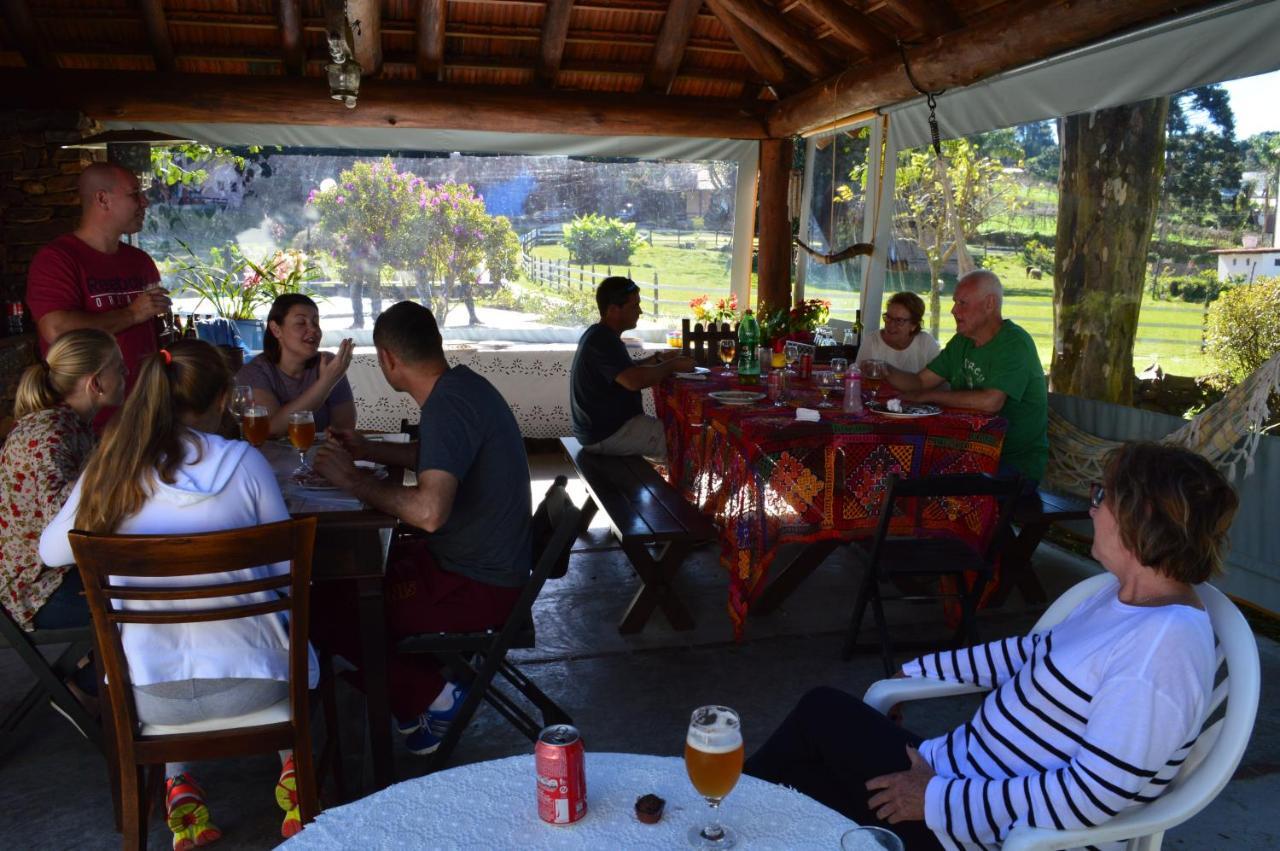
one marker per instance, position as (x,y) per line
(302,433)
(838,367)
(713,757)
(778,388)
(873,372)
(793,356)
(241,400)
(826,382)
(728,348)
(870,839)
(255,425)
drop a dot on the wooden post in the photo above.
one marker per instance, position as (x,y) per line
(773,224)
(655,293)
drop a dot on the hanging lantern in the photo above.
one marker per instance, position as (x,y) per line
(344,81)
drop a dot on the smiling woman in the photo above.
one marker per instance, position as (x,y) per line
(292,374)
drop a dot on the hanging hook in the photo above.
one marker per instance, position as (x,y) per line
(931,98)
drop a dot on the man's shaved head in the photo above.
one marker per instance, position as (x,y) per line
(99,177)
(111,201)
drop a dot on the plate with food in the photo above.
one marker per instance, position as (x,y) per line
(736,397)
(904,410)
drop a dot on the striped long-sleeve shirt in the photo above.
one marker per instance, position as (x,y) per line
(1089,718)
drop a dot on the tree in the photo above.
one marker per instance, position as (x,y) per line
(1262,153)
(943,205)
(366,213)
(1108,190)
(1202,160)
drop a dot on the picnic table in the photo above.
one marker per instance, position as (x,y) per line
(768,480)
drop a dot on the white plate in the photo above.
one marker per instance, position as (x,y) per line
(736,397)
(909,410)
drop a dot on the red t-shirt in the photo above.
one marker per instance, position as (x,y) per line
(69,274)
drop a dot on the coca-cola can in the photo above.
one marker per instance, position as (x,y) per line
(562,775)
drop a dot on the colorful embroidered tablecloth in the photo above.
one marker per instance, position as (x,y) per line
(768,479)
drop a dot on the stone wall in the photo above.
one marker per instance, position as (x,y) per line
(38,202)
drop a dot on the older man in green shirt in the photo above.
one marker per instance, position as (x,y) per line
(992,366)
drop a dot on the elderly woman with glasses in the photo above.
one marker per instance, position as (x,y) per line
(1084,720)
(901,343)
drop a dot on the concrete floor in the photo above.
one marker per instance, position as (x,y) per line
(629,694)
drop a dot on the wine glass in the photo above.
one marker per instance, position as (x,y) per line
(839,366)
(826,384)
(302,433)
(778,388)
(241,400)
(713,756)
(793,356)
(728,348)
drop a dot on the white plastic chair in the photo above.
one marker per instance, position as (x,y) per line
(1207,768)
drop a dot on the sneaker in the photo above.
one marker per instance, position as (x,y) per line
(187,814)
(287,798)
(439,722)
(422,741)
(404,728)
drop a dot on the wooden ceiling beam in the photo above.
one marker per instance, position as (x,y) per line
(140,97)
(1026,32)
(555,29)
(431,29)
(292,48)
(366,30)
(673,37)
(850,26)
(153,19)
(795,44)
(931,17)
(26,35)
(760,55)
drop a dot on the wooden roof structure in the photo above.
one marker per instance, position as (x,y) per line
(745,69)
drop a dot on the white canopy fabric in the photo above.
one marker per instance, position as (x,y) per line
(1223,43)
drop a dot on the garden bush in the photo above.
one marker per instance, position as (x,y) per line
(594,238)
(1038,255)
(1198,288)
(1244,327)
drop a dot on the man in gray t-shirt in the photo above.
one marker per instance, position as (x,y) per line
(472,499)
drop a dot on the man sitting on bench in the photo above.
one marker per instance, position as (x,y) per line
(605,384)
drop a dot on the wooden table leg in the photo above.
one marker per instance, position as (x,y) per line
(373,637)
(656,587)
(804,562)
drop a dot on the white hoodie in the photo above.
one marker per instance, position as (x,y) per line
(229,487)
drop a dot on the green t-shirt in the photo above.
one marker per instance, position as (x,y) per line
(1009,363)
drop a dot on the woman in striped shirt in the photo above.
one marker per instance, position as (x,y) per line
(1084,720)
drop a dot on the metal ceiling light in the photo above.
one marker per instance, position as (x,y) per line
(130,149)
(344,71)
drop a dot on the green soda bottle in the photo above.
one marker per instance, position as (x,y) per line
(748,352)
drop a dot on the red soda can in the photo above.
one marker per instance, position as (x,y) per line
(806,365)
(562,775)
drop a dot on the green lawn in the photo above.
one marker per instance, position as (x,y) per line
(1168,331)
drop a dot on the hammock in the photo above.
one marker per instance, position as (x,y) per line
(1226,433)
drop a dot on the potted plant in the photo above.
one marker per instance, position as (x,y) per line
(713,314)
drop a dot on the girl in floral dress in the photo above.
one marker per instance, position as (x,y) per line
(56,402)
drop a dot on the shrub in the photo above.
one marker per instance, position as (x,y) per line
(594,238)
(1198,288)
(1244,327)
(1038,255)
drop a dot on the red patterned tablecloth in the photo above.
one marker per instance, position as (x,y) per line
(768,479)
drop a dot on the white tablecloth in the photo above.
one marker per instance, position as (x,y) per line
(534,379)
(493,805)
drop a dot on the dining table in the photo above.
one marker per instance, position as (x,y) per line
(771,475)
(493,804)
(351,545)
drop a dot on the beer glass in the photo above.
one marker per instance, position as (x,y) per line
(302,433)
(728,348)
(256,425)
(713,757)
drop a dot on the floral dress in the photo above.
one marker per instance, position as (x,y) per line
(40,462)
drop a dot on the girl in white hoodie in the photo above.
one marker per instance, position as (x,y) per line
(162,469)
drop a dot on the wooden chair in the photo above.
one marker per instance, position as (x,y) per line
(136,747)
(483,655)
(888,557)
(50,686)
(703,345)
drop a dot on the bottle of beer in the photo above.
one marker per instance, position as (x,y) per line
(748,353)
(857,327)
(189,333)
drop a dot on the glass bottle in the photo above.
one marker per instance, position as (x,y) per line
(748,355)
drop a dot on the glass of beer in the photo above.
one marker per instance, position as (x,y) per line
(255,424)
(302,433)
(713,758)
(873,373)
(728,348)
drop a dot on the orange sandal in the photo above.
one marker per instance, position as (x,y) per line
(287,798)
(187,814)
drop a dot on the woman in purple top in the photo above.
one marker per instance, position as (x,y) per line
(292,374)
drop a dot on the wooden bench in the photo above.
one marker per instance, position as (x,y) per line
(1033,516)
(654,525)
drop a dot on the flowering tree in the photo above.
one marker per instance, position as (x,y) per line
(367,212)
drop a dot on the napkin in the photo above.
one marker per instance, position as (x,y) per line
(692,376)
(808,415)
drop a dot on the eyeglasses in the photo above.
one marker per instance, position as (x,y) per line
(895,320)
(1097,493)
